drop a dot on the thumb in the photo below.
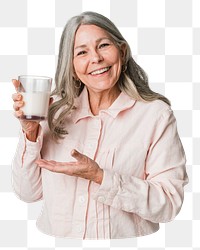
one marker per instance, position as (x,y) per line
(77,155)
(16,84)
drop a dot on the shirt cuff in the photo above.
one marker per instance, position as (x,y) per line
(31,146)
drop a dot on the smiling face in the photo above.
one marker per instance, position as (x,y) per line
(97,60)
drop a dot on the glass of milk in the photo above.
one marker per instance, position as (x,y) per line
(36,93)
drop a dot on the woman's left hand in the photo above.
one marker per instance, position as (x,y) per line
(84,167)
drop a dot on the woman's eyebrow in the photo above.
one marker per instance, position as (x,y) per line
(97,41)
(80,46)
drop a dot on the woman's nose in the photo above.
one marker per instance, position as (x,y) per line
(96,57)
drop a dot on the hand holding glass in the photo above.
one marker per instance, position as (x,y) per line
(36,93)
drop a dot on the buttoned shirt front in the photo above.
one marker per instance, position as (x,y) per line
(138,147)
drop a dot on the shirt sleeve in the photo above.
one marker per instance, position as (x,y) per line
(26,174)
(159,196)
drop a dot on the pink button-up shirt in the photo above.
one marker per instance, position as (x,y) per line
(137,146)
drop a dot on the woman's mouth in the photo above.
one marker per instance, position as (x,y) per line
(100,71)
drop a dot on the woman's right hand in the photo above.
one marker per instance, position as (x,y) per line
(30,128)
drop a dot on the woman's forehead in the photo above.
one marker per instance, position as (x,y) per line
(88,32)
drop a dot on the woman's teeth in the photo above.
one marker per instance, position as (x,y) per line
(100,71)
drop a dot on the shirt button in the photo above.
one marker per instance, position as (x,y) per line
(101,199)
(81,199)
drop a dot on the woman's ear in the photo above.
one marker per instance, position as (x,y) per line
(123,50)
(74,75)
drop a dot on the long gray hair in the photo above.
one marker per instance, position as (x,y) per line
(133,80)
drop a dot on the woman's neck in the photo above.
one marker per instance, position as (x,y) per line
(102,100)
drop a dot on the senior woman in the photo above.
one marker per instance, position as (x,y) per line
(109,162)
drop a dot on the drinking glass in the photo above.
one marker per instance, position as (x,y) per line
(36,93)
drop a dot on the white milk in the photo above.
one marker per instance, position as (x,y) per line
(36,104)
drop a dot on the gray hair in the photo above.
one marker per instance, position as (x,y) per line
(133,80)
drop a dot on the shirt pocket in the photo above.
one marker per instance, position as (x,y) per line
(105,158)
(130,159)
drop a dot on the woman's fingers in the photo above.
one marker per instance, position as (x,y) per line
(17,97)
(17,105)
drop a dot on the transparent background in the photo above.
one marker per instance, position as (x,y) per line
(164,36)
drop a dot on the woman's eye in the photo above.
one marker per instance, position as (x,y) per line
(103,45)
(81,53)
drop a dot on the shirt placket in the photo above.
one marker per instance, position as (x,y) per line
(82,192)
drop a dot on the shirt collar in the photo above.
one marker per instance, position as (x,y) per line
(123,102)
